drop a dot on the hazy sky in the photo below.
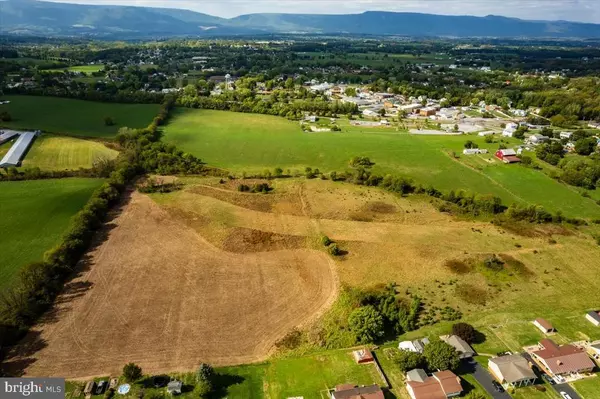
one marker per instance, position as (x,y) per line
(573,10)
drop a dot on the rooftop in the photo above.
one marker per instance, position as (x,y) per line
(513,368)
(563,359)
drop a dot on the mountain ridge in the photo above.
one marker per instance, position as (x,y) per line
(34,17)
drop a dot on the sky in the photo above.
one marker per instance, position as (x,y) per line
(571,10)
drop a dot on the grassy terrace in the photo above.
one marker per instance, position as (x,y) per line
(74,117)
(58,153)
(33,217)
(251,143)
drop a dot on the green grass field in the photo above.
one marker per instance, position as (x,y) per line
(307,376)
(60,153)
(33,217)
(588,388)
(75,117)
(80,68)
(252,143)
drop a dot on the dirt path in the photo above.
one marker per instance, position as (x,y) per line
(161,296)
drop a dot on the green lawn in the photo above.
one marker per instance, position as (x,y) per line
(588,388)
(75,117)
(59,153)
(251,143)
(80,68)
(307,376)
(33,217)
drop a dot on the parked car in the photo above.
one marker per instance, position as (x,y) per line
(547,378)
(498,387)
(101,387)
(565,395)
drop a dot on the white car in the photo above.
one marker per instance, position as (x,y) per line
(565,395)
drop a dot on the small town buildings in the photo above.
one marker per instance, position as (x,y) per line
(464,349)
(371,113)
(428,111)
(174,387)
(440,385)
(507,156)
(538,139)
(566,135)
(508,132)
(543,325)
(363,356)
(410,107)
(558,360)
(351,391)
(593,317)
(512,370)
(417,345)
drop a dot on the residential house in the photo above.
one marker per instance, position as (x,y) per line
(566,135)
(417,345)
(512,370)
(370,113)
(428,111)
(351,391)
(519,112)
(543,325)
(440,385)
(593,317)
(464,349)
(507,156)
(363,356)
(561,360)
(538,139)
(510,129)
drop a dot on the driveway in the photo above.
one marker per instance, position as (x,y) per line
(485,379)
(566,388)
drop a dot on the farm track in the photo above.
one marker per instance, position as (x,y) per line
(162,296)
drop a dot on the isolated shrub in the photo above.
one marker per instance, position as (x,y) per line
(205,373)
(334,250)
(366,323)
(109,121)
(243,188)
(441,356)
(5,117)
(494,263)
(132,372)
(465,331)
(325,241)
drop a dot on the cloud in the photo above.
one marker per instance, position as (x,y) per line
(573,10)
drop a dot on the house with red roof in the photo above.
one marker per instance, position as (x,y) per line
(440,385)
(560,360)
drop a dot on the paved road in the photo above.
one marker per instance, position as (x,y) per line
(567,389)
(485,379)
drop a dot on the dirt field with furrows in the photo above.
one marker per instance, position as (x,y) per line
(156,293)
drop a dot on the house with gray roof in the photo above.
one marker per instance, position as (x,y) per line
(462,347)
(512,370)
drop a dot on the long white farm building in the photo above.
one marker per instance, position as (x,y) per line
(18,150)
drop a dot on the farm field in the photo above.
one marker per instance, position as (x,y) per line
(251,143)
(75,117)
(171,298)
(80,68)
(33,217)
(218,255)
(58,153)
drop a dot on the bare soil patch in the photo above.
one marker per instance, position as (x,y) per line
(159,295)
(242,240)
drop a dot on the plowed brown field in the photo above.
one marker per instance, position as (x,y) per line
(159,295)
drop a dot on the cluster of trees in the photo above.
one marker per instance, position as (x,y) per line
(255,188)
(381,313)
(292,109)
